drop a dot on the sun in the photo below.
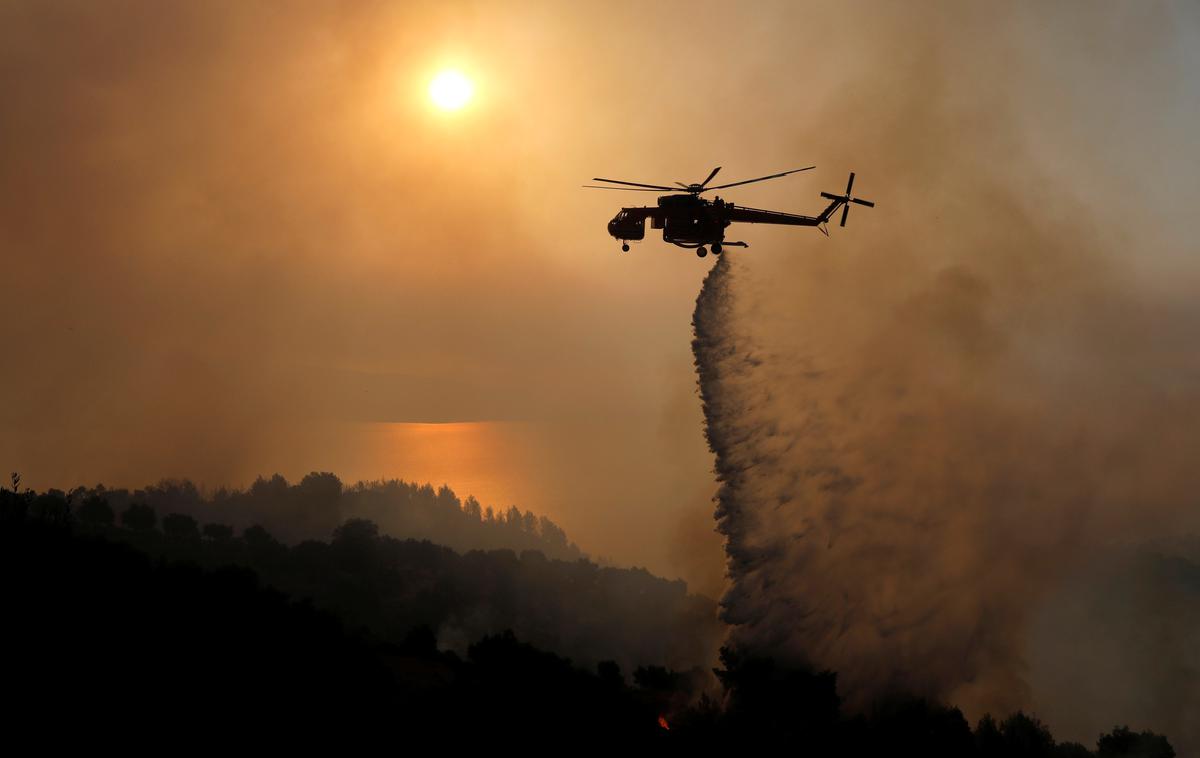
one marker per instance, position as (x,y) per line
(450,90)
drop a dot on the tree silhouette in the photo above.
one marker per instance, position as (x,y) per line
(472,508)
(764,698)
(180,526)
(51,507)
(276,487)
(989,742)
(96,511)
(1026,736)
(139,517)
(218,532)
(1122,742)
(356,533)
(610,673)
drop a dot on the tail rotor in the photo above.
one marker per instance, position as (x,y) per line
(846,199)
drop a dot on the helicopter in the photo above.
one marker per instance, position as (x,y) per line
(694,222)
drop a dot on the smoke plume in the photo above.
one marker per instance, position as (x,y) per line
(933,431)
(904,479)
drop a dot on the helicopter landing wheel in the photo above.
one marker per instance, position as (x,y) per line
(701,252)
(625,248)
(716,248)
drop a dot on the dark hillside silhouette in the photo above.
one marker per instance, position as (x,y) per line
(110,640)
(106,646)
(387,585)
(318,503)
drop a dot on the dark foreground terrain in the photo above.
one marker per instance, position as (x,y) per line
(125,634)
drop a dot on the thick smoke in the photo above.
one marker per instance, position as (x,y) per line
(904,480)
(1140,655)
(930,429)
(833,563)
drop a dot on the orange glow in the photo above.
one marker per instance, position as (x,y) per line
(450,90)
(490,460)
(662,721)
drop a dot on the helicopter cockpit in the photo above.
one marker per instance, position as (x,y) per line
(627,225)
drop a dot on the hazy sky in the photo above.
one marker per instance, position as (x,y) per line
(232,233)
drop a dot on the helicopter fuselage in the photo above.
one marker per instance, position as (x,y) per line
(685,220)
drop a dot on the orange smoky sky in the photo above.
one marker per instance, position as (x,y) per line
(237,239)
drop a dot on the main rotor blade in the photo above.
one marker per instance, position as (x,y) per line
(759,179)
(632,184)
(867,203)
(710,176)
(850,183)
(834,197)
(845,211)
(632,189)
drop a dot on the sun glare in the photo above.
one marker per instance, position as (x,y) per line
(450,90)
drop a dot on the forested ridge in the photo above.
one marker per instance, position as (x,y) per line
(319,502)
(389,585)
(121,624)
